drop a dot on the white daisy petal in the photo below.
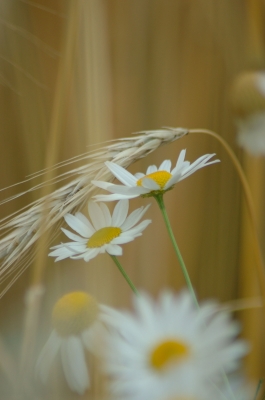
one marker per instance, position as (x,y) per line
(139,228)
(150,170)
(178,169)
(150,184)
(113,197)
(84,219)
(191,171)
(144,307)
(106,213)
(139,175)
(60,257)
(165,166)
(109,315)
(91,253)
(61,252)
(121,174)
(77,225)
(91,335)
(181,158)
(96,215)
(173,180)
(47,356)
(114,249)
(72,236)
(102,185)
(123,239)
(120,213)
(80,256)
(135,190)
(76,247)
(74,364)
(134,217)
(199,163)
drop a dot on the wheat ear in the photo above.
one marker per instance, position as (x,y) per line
(22,229)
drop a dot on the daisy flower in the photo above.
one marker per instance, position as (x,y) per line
(170,349)
(105,234)
(76,320)
(154,182)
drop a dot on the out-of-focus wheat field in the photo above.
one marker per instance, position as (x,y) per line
(74,73)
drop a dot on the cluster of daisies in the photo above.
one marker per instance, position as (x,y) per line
(107,232)
(164,349)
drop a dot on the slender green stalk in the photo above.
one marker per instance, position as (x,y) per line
(126,277)
(160,202)
(258,388)
(228,386)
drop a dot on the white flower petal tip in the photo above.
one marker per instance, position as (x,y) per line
(170,349)
(77,321)
(156,180)
(105,234)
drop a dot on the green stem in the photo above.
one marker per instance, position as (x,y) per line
(160,202)
(258,389)
(228,386)
(128,280)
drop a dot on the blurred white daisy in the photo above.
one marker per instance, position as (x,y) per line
(170,349)
(248,102)
(155,181)
(106,233)
(251,133)
(77,322)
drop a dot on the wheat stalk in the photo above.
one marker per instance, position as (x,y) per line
(22,229)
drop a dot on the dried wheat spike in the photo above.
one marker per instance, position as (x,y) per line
(21,230)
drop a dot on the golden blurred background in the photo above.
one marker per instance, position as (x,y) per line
(75,73)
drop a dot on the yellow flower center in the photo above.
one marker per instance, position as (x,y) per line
(103,236)
(160,177)
(73,313)
(168,352)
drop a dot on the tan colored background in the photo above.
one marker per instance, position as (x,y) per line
(117,67)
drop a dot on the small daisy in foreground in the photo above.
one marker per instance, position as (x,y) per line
(105,234)
(170,349)
(156,180)
(76,320)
